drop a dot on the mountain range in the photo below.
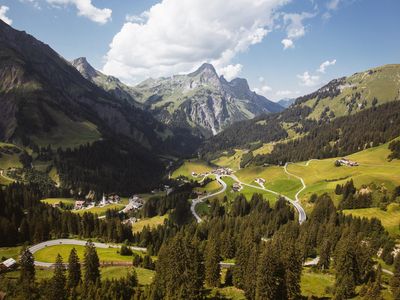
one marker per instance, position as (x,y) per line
(47,100)
(201,101)
(317,117)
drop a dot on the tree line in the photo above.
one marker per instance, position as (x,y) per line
(24,218)
(340,137)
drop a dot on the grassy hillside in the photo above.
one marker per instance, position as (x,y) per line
(322,176)
(49,254)
(390,218)
(9,156)
(145,276)
(230,161)
(190,166)
(53,201)
(151,222)
(358,92)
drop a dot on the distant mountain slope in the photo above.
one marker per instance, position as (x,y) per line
(202,100)
(286,102)
(340,97)
(109,83)
(349,95)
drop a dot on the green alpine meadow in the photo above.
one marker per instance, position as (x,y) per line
(199,149)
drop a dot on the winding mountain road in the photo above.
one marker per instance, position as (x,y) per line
(201,199)
(295,203)
(50,243)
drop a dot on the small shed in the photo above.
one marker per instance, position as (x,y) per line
(8,264)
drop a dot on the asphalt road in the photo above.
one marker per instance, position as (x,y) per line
(296,204)
(201,199)
(50,243)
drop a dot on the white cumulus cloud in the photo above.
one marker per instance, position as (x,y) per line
(295,27)
(308,79)
(231,71)
(3,11)
(87,9)
(287,44)
(333,4)
(263,90)
(325,64)
(179,35)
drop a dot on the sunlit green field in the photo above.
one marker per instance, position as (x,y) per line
(211,187)
(49,254)
(246,191)
(52,201)
(151,222)
(390,219)
(264,149)
(10,252)
(145,276)
(322,176)
(276,179)
(190,166)
(232,161)
(316,284)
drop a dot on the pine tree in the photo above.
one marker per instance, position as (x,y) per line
(58,281)
(250,274)
(74,269)
(346,266)
(374,287)
(293,269)
(212,267)
(270,275)
(325,255)
(27,264)
(91,263)
(179,271)
(131,278)
(27,273)
(395,282)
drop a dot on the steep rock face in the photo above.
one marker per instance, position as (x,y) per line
(202,100)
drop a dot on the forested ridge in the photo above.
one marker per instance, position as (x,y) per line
(340,137)
(267,244)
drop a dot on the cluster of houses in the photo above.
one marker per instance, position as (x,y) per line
(106,200)
(223,171)
(345,162)
(220,171)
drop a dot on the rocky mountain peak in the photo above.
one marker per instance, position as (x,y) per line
(82,65)
(240,83)
(205,69)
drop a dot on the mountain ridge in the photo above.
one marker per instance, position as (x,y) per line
(202,99)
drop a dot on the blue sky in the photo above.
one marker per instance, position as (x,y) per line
(135,39)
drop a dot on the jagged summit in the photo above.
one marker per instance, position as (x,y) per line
(204,68)
(202,100)
(110,84)
(82,65)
